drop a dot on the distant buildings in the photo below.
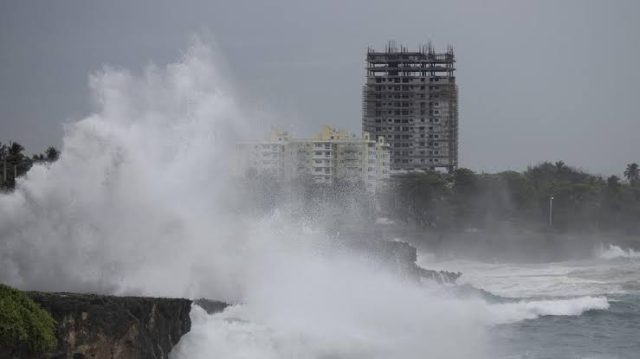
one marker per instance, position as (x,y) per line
(411,99)
(330,157)
(409,122)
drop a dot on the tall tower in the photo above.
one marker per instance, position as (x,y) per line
(411,99)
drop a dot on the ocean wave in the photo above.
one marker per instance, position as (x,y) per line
(613,252)
(522,310)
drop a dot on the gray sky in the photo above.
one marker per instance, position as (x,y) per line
(539,80)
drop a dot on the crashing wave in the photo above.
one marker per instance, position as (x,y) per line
(522,310)
(613,252)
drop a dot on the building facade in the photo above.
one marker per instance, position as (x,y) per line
(329,157)
(411,99)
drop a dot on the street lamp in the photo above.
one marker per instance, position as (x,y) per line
(551,211)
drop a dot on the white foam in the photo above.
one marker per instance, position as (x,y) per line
(384,221)
(613,252)
(522,310)
(542,280)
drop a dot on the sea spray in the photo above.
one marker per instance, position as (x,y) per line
(133,205)
(141,202)
(532,309)
(614,252)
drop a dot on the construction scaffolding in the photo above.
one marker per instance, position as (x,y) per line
(411,99)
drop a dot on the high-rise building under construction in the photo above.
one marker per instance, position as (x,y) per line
(411,99)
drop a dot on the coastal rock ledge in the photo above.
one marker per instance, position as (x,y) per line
(106,327)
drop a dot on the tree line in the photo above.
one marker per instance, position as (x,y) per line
(546,196)
(15,163)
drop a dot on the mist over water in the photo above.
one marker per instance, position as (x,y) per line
(141,202)
(132,204)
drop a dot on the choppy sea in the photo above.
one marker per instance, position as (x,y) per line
(338,310)
(578,309)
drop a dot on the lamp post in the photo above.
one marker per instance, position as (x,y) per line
(551,211)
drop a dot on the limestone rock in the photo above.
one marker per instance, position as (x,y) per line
(109,327)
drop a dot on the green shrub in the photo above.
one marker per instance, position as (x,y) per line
(24,326)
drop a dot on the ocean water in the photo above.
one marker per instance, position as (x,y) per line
(571,323)
(579,309)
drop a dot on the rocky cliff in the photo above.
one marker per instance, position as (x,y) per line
(400,256)
(105,327)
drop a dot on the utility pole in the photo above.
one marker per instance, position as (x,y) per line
(551,211)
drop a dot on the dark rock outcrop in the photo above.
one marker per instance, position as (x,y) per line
(101,327)
(210,306)
(400,256)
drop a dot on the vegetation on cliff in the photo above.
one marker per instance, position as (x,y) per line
(24,326)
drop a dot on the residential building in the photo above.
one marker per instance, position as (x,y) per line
(263,157)
(410,98)
(330,157)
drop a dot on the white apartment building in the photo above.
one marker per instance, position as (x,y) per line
(329,157)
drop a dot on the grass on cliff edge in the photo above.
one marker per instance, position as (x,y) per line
(24,325)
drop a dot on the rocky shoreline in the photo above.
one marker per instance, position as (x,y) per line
(109,327)
(401,257)
(106,327)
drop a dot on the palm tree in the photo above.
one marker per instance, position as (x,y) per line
(3,151)
(560,166)
(52,154)
(632,173)
(15,149)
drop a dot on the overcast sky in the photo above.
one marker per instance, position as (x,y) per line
(538,80)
